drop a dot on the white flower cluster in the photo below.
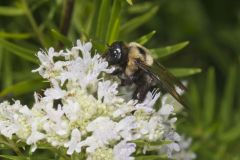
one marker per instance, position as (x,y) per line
(83,112)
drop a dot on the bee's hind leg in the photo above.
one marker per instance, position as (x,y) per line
(141,92)
(144,83)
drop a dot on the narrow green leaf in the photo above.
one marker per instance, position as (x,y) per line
(2,147)
(1,58)
(114,22)
(140,7)
(23,75)
(151,157)
(156,143)
(15,35)
(232,134)
(94,22)
(11,11)
(144,39)
(7,73)
(138,21)
(49,18)
(37,4)
(14,157)
(61,38)
(18,50)
(159,143)
(194,101)
(23,87)
(168,50)
(183,72)
(129,2)
(103,19)
(209,97)
(228,97)
(100,47)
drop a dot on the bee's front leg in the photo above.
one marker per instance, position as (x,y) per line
(117,71)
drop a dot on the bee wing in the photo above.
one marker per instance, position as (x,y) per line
(164,78)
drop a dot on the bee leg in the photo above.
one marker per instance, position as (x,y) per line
(125,80)
(141,92)
(117,71)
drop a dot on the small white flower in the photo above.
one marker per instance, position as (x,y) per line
(9,123)
(107,92)
(166,109)
(124,109)
(126,128)
(184,153)
(56,123)
(149,101)
(34,137)
(74,143)
(103,131)
(72,110)
(54,93)
(123,151)
(8,128)
(173,147)
(84,47)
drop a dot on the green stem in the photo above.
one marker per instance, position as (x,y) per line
(15,148)
(66,16)
(11,145)
(33,23)
(60,153)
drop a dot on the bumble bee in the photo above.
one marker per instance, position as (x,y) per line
(135,65)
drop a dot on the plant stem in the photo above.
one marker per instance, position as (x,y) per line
(15,148)
(12,145)
(66,16)
(33,23)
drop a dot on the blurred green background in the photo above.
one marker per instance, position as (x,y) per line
(212,28)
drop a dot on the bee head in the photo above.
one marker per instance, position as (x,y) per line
(116,53)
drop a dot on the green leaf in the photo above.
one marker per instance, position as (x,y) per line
(18,50)
(183,72)
(144,39)
(193,97)
(156,143)
(1,58)
(37,4)
(168,50)
(138,21)
(140,7)
(94,23)
(151,157)
(103,20)
(23,87)
(209,97)
(232,134)
(15,35)
(7,72)
(100,47)
(11,11)
(48,18)
(228,97)
(14,157)
(129,2)
(61,38)
(114,22)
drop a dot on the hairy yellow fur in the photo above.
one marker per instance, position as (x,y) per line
(134,54)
